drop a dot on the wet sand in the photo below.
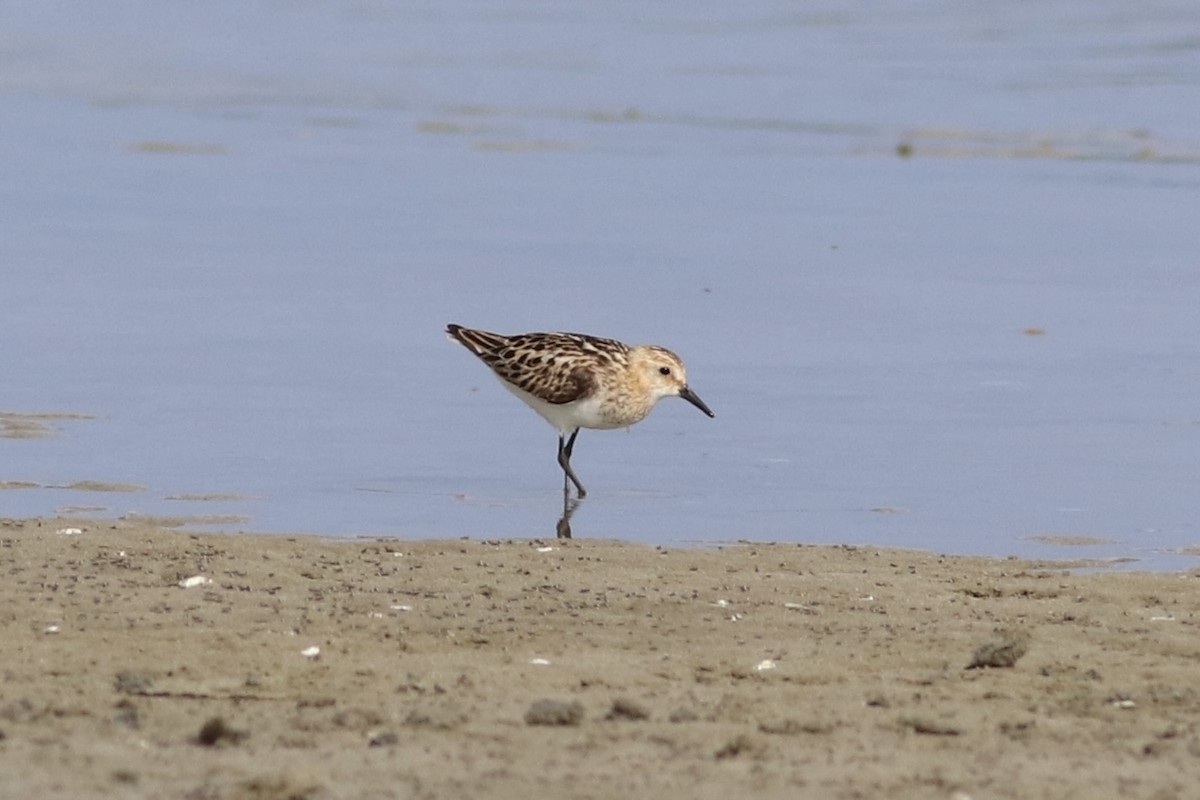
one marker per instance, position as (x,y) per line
(145,662)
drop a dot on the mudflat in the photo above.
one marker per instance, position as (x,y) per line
(140,661)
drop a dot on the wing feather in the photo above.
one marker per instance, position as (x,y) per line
(555,367)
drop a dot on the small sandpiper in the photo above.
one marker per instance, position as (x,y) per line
(578,381)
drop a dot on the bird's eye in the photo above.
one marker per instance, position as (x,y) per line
(664,370)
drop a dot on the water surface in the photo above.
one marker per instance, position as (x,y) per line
(933,266)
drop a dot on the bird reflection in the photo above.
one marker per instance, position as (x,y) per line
(563,528)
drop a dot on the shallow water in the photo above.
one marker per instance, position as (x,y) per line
(933,267)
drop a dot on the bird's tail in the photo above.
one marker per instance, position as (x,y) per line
(481,343)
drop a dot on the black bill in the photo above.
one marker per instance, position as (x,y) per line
(694,399)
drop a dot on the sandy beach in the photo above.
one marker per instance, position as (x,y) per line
(144,662)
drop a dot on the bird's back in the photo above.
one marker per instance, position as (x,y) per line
(554,367)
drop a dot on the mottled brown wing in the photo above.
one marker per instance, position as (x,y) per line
(551,366)
(478,342)
(556,367)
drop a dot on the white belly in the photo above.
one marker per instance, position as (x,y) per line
(566,417)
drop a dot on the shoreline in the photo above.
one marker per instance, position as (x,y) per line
(582,668)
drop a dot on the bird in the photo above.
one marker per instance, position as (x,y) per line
(576,381)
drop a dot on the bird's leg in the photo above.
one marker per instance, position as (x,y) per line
(564,461)
(563,529)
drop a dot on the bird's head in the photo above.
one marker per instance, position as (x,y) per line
(663,374)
